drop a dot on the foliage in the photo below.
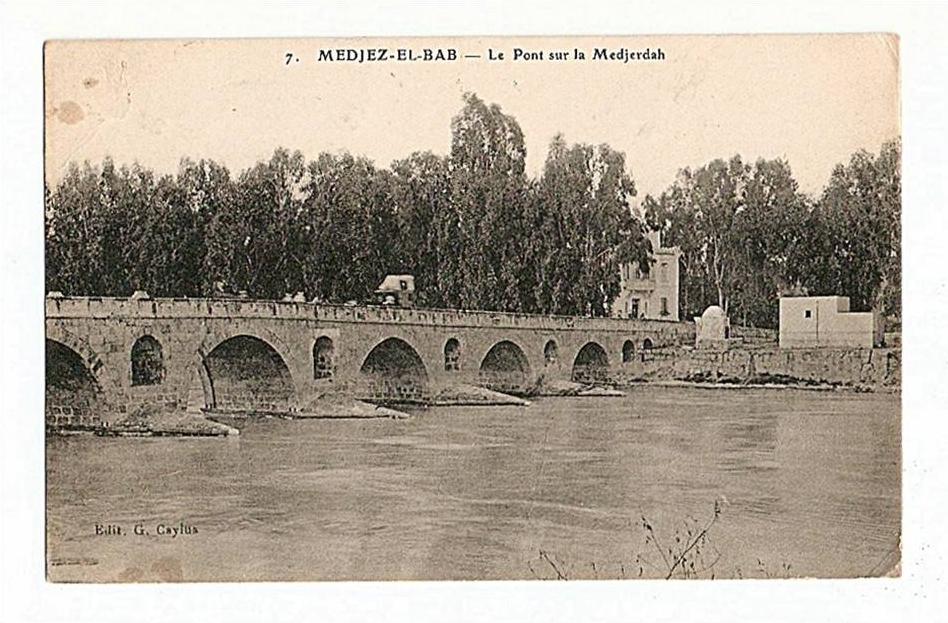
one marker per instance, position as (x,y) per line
(429,235)
(770,238)
(584,229)
(747,234)
(349,228)
(856,227)
(489,193)
(111,231)
(475,230)
(699,214)
(252,245)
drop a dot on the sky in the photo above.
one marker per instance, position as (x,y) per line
(811,99)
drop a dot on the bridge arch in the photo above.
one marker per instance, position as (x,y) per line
(591,364)
(506,368)
(246,374)
(74,396)
(628,351)
(79,346)
(393,372)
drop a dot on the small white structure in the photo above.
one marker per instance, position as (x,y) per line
(712,329)
(397,290)
(808,321)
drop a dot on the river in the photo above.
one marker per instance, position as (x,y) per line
(808,484)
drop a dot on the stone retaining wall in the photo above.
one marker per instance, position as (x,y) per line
(877,367)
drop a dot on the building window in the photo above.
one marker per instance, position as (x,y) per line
(452,355)
(807,313)
(634,308)
(664,306)
(148,367)
(664,272)
(323,358)
(628,351)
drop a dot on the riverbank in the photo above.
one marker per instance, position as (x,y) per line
(741,385)
(552,388)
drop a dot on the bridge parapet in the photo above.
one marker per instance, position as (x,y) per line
(116,307)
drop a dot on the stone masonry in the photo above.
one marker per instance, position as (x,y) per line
(230,354)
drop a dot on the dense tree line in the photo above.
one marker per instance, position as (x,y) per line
(471,226)
(474,229)
(747,234)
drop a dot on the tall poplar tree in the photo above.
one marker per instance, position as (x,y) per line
(489,194)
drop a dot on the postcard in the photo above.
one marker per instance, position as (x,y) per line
(501,308)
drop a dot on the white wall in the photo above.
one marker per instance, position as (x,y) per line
(825,321)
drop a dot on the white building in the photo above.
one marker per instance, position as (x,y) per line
(712,328)
(397,290)
(807,321)
(652,294)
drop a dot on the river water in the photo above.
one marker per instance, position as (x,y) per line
(808,483)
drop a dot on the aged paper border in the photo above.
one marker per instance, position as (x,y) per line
(25,594)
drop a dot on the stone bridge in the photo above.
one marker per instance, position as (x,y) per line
(108,355)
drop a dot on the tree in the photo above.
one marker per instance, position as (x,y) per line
(856,229)
(585,229)
(672,215)
(253,242)
(707,201)
(769,233)
(428,227)
(204,189)
(475,231)
(165,248)
(349,227)
(75,226)
(740,229)
(111,231)
(489,193)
